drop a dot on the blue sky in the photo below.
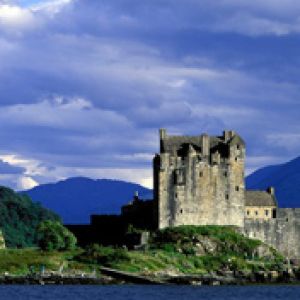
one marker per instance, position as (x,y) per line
(85,85)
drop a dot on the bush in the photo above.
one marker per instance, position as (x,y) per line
(52,235)
(184,239)
(108,256)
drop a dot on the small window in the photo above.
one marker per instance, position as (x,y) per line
(225,174)
(287,219)
(176,195)
(237,188)
(248,212)
(226,196)
(236,159)
(266,212)
(238,147)
(181,211)
(256,213)
(201,174)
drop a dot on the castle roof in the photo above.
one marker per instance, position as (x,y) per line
(259,198)
(173,143)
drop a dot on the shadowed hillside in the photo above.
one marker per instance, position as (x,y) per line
(75,199)
(19,218)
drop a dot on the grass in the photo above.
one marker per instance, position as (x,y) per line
(25,261)
(174,250)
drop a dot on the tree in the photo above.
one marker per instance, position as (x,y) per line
(52,235)
(20,217)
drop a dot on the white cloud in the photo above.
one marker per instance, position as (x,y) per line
(26,183)
(51,7)
(15,19)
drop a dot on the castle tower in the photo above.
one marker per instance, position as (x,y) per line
(199,180)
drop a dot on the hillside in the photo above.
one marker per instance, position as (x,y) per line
(75,199)
(19,218)
(285,178)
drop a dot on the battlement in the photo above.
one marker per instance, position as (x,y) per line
(212,148)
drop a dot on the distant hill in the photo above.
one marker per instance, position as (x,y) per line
(285,178)
(75,199)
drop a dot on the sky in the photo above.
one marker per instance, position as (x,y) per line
(85,84)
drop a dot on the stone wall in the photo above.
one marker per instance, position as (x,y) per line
(282,232)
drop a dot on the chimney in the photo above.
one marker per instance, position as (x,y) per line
(162,136)
(205,144)
(162,133)
(228,134)
(136,196)
(271,191)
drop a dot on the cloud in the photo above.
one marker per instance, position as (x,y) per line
(6,168)
(26,183)
(287,140)
(85,85)
(14,19)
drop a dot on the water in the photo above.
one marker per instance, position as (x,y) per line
(140,292)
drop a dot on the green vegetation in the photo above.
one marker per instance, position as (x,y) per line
(52,235)
(180,250)
(25,261)
(20,217)
(189,250)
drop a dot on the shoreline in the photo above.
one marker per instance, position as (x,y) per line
(115,277)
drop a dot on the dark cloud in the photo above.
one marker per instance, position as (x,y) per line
(86,84)
(7,169)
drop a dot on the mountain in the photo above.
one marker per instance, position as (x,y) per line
(19,218)
(285,178)
(75,199)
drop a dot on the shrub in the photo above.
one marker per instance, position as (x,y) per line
(52,235)
(108,256)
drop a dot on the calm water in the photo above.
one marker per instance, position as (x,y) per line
(149,292)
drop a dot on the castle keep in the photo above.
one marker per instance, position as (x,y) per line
(199,180)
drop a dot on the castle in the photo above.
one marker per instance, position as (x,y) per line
(200,180)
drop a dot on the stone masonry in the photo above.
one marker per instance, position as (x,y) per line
(199,180)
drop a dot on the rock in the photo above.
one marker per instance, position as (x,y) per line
(264,251)
(2,241)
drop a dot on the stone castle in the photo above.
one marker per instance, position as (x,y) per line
(200,180)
